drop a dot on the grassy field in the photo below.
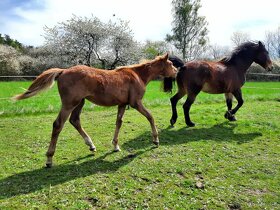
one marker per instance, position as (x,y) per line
(215,165)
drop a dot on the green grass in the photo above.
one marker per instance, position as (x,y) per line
(215,165)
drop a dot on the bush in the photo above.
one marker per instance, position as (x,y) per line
(257,73)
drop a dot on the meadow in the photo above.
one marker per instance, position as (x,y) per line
(215,165)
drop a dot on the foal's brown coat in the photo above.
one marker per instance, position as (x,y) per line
(122,86)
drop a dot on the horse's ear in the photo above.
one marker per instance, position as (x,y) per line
(260,44)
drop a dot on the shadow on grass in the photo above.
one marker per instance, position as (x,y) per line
(31,181)
(223,132)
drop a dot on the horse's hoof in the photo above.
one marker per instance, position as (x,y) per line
(232,118)
(190,124)
(228,115)
(172,122)
(48,165)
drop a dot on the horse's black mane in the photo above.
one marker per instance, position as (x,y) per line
(177,62)
(243,51)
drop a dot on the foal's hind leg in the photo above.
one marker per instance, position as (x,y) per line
(174,100)
(57,127)
(121,110)
(75,121)
(228,115)
(140,108)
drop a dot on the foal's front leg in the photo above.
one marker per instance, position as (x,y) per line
(121,110)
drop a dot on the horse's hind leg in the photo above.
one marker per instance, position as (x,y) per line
(228,115)
(174,100)
(187,106)
(121,110)
(57,127)
(75,121)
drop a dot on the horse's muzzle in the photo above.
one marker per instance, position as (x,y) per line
(269,68)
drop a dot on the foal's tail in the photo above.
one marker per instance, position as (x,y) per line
(42,82)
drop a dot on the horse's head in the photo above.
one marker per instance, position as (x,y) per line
(168,69)
(262,57)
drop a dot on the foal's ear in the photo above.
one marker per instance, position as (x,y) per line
(260,44)
(165,57)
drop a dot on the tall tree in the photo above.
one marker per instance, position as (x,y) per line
(239,37)
(153,48)
(189,29)
(216,52)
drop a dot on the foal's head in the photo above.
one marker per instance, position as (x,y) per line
(168,70)
(262,57)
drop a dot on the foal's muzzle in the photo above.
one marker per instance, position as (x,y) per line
(175,71)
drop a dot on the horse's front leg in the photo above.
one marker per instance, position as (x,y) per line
(121,110)
(228,115)
(238,95)
(140,108)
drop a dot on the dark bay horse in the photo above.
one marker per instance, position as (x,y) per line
(225,76)
(122,86)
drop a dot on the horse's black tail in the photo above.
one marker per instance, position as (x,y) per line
(168,81)
(168,84)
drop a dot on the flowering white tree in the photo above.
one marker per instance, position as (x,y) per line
(272,42)
(8,62)
(89,41)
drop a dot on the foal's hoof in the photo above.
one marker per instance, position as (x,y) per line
(190,124)
(117,149)
(92,149)
(48,165)
(156,143)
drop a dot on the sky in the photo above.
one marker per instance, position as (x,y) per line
(24,20)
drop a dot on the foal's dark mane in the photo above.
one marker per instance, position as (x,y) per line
(245,51)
